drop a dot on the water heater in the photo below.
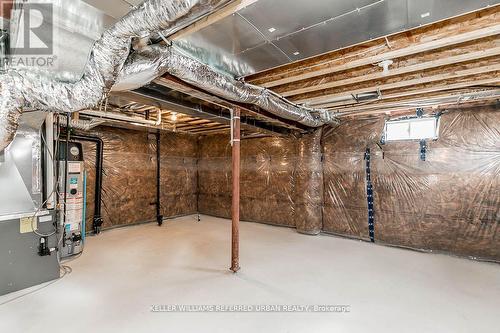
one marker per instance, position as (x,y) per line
(71,198)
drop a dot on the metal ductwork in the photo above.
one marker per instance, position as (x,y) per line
(32,90)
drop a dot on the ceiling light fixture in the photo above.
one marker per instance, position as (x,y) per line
(271,30)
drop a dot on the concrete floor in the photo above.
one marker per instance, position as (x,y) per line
(125,271)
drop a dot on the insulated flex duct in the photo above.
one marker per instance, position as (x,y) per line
(29,89)
(153,61)
(34,90)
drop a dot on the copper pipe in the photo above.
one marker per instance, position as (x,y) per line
(235,141)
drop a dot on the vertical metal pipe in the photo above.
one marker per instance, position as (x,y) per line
(236,143)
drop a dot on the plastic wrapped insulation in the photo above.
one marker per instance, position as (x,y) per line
(267,178)
(448,203)
(150,62)
(129,175)
(309,184)
(281,180)
(29,89)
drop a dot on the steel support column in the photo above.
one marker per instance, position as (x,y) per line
(235,235)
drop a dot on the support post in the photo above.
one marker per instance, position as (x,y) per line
(235,234)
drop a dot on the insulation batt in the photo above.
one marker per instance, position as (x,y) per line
(29,89)
(316,182)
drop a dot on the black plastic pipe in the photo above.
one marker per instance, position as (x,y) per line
(66,179)
(159,217)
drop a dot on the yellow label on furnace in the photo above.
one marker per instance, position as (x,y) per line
(26,226)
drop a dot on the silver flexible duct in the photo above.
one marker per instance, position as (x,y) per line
(25,89)
(156,60)
(108,66)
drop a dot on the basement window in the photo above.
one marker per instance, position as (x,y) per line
(411,129)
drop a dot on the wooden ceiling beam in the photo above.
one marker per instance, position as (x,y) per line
(213,128)
(197,122)
(406,109)
(172,82)
(197,127)
(413,49)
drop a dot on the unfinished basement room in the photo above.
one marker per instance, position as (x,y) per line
(281,166)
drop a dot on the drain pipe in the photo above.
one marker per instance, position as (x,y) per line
(159,217)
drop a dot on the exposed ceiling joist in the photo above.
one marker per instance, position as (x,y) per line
(329,97)
(342,64)
(379,75)
(420,92)
(437,101)
(153,95)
